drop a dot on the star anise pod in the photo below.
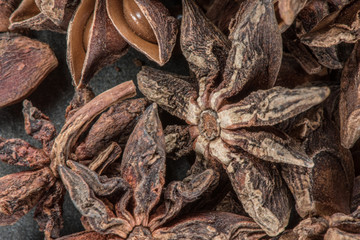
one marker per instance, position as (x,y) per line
(318,191)
(232,119)
(143,206)
(20,192)
(313,18)
(340,26)
(101,30)
(53,15)
(349,106)
(25,63)
(336,226)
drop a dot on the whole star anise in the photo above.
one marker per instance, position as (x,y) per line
(232,119)
(20,192)
(143,207)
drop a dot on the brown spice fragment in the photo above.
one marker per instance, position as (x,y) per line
(349,107)
(340,26)
(178,141)
(20,153)
(319,191)
(28,15)
(80,121)
(289,9)
(48,212)
(58,11)
(25,63)
(20,192)
(6,9)
(113,125)
(105,158)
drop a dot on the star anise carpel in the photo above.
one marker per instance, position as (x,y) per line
(53,15)
(233,109)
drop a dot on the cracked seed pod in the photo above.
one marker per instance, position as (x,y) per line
(25,63)
(349,107)
(29,15)
(58,11)
(152,33)
(309,18)
(100,32)
(340,26)
(320,191)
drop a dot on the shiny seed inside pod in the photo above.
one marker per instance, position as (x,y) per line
(137,21)
(86,34)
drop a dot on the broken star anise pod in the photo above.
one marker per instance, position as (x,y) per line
(20,192)
(101,30)
(52,15)
(232,118)
(143,207)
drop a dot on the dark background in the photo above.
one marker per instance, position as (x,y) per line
(52,97)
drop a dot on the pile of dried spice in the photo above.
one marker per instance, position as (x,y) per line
(266,118)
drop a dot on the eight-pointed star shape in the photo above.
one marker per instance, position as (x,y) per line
(234,108)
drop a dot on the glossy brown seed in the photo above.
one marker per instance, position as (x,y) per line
(92,42)
(137,21)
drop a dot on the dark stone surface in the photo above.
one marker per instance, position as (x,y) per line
(52,97)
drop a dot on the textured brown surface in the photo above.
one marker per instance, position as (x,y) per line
(24,65)
(230,113)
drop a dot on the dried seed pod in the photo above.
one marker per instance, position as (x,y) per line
(220,12)
(29,16)
(20,192)
(308,19)
(340,26)
(349,106)
(6,9)
(24,65)
(48,212)
(113,125)
(92,41)
(287,10)
(178,141)
(58,11)
(146,25)
(79,122)
(318,191)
